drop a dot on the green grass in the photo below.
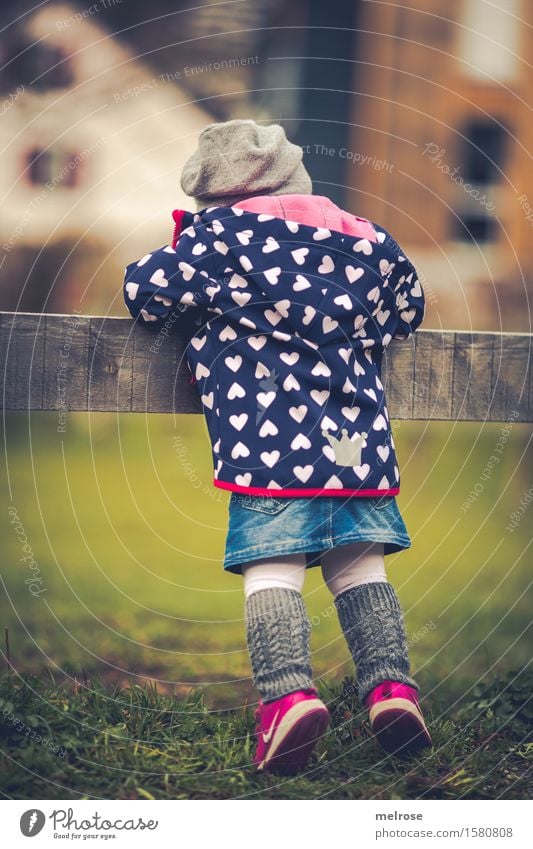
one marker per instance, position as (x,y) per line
(128,536)
(133,743)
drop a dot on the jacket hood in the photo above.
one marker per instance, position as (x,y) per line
(305,273)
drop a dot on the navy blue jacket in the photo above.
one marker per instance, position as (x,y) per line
(294,322)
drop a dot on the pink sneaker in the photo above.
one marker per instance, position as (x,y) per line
(287,730)
(395,718)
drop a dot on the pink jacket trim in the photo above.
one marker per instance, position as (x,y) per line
(289,493)
(312,210)
(178,216)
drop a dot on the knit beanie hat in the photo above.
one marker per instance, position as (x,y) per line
(240,159)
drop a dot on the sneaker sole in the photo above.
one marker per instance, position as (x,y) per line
(296,737)
(399,726)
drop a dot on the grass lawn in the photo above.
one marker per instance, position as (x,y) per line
(128,535)
(133,743)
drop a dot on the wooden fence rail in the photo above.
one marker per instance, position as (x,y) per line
(73,362)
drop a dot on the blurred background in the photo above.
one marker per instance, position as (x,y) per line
(416,116)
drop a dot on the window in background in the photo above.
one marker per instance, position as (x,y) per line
(482,158)
(489,39)
(52,166)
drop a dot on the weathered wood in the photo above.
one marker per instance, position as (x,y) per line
(72,362)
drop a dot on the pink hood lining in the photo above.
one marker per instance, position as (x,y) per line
(310,210)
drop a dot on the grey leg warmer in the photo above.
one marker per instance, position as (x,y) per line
(372,621)
(277,631)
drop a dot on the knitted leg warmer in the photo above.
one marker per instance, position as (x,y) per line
(372,621)
(277,632)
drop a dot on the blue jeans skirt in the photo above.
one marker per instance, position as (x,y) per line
(263,526)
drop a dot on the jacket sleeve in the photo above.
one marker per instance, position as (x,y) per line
(410,302)
(170,280)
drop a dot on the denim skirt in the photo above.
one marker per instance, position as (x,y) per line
(263,526)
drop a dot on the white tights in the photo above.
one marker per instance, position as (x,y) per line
(342,568)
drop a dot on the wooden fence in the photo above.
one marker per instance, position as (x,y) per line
(73,362)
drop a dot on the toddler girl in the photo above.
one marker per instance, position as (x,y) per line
(296,302)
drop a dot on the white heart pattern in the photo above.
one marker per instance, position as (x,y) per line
(201,371)
(234,363)
(351,413)
(270,458)
(265,398)
(270,245)
(321,368)
(290,382)
(333,483)
(363,246)
(303,473)
(343,301)
(298,413)
(257,342)
(236,391)
(320,396)
(327,266)
(241,298)
(353,274)
(239,421)
(309,314)
(291,358)
(244,236)
(132,289)
(299,255)
(300,441)
(227,333)
(240,450)
(158,277)
(329,324)
(383,452)
(301,283)
(272,275)
(148,315)
(268,428)
(261,370)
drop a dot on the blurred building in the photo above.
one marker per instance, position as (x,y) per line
(92,142)
(442,111)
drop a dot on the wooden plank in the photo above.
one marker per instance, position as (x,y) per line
(511,378)
(110,364)
(432,389)
(161,379)
(397,373)
(66,344)
(472,386)
(22,360)
(115,365)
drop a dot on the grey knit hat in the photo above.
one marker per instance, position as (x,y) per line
(240,159)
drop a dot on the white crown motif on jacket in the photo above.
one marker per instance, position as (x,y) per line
(347,452)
